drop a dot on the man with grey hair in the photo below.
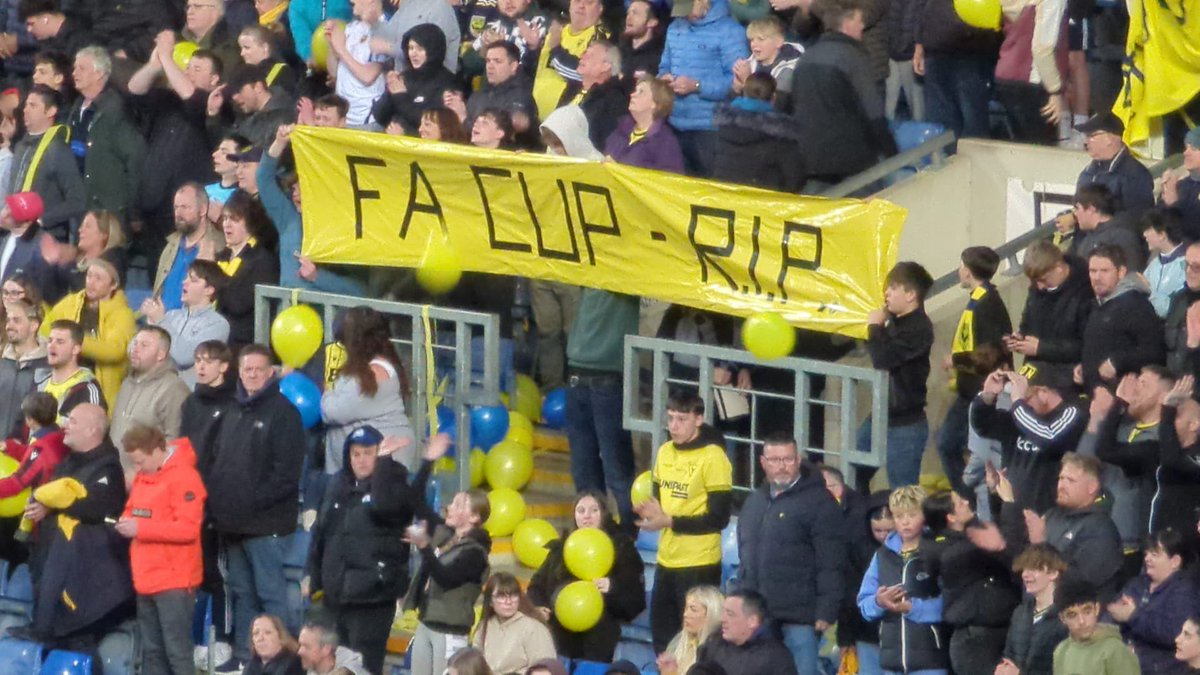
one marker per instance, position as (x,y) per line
(599,91)
(107,144)
(320,654)
(205,25)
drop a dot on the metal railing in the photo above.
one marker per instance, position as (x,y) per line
(646,392)
(450,335)
(1009,250)
(932,150)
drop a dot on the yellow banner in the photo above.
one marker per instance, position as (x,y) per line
(374,199)
(1162,64)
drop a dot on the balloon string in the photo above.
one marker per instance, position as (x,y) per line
(430,375)
(295,296)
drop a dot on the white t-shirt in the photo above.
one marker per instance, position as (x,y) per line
(360,96)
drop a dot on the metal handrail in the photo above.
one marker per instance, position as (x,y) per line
(1008,250)
(934,149)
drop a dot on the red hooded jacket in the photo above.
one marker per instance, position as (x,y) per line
(38,460)
(169,506)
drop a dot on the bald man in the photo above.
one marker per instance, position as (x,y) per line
(1178,493)
(84,587)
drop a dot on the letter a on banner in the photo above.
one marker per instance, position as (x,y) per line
(374,199)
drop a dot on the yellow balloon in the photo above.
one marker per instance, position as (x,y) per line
(643,489)
(579,606)
(520,429)
(530,539)
(508,510)
(440,269)
(445,465)
(320,43)
(527,399)
(504,398)
(979,13)
(296,335)
(477,460)
(509,465)
(11,507)
(768,335)
(588,553)
(182,54)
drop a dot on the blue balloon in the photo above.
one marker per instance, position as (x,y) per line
(304,394)
(489,425)
(554,408)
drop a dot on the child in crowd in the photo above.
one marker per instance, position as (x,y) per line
(1035,629)
(454,565)
(899,340)
(898,589)
(1092,648)
(866,644)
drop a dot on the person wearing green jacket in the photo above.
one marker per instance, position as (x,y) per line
(1091,648)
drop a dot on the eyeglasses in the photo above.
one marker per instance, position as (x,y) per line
(506,597)
(190,6)
(777,461)
(12,292)
(1193,267)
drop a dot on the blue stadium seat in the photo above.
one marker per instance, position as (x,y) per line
(119,651)
(19,657)
(16,599)
(19,586)
(589,668)
(641,654)
(910,134)
(60,662)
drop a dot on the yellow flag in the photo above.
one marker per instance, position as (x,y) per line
(1162,63)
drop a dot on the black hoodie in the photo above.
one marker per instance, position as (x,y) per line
(424,86)
(757,147)
(253,475)
(203,412)
(1057,317)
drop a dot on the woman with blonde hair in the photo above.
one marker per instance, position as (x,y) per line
(274,650)
(701,618)
(100,237)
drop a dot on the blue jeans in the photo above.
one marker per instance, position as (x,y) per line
(601,449)
(254,578)
(803,642)
(699,150)
(957,92)
(952,441)
(905,446)
(868,658)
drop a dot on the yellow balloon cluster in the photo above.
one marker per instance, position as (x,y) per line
(527,399)
(508,510)
(579,606)
(11,507)
(508,465)
(530,539)
(589,553)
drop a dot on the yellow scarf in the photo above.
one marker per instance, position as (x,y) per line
(230,267)
(964,336)
(272,15)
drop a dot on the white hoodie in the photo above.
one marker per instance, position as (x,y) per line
(571,126)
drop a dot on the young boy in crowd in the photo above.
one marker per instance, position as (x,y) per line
(1092,648)
(162,519)
(1034,630)
(899,339)
(899,589)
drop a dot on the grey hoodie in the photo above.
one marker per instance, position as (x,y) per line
(346,658)
(570,125)
(188,328)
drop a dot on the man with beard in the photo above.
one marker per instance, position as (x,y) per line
(641,42)
(192,233)
(69,383)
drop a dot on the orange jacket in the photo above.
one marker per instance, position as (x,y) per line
(169,506)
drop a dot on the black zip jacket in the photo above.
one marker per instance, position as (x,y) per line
(901,346)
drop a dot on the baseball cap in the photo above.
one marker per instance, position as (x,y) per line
(247,74)
(25,207)
(246,153)
(1105,121)
(364,435)
(1193,137)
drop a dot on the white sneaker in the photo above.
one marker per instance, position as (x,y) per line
(222,652)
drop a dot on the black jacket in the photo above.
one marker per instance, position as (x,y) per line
(176,147)
(236,300)
(424,86)
(989,324)
(1032,445)
(977,587)
(643,59)
(603,105)
(902,20)
(253,470)
(203,412)
(1124,328)
(1128,180)
(861,546)
(447,584)
(792,549)
(1086,538)
(357,556)
(623,603)
(1030,644)
(759,148)
(1057,318)
(762,653)
(283,664)
(85,577)
(512,95)
(907,645)
(1178,494)
(1180,359)
(901,346)
(839,109)
(57,179)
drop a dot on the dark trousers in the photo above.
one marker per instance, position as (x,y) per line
(975,650)
(365,629)
(601,449)
(699,152)
(952,441)
(957,90)
(165,622)
(669,597)
(1023,103)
